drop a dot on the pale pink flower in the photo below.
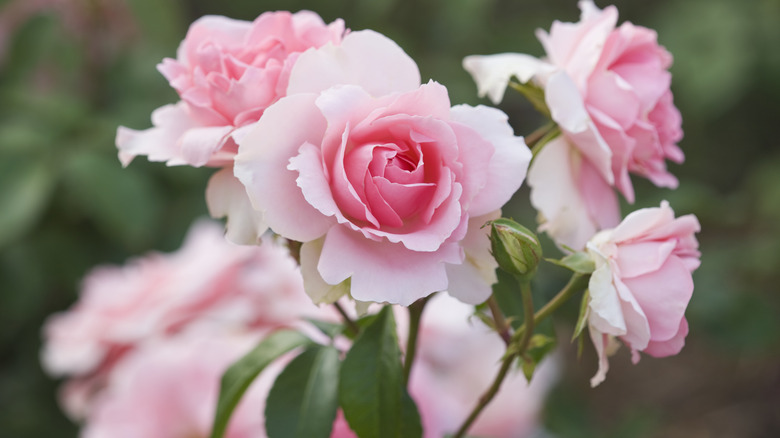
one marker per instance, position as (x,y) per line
(642,283)
(607,87)
(209,282)
(227,72)
(381,179)
(168,388)
(457,358)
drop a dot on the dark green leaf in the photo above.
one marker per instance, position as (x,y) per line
(371,384)
(304,399)
(411,425)
(241,374)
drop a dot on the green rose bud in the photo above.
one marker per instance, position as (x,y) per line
(516,249)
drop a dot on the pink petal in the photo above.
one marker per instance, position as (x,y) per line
(598,197)
(471,281)
(663,296)
(316,288)
(159,143)
(641,222)
(671,346)
(262,166)
(557,197)
(508,164)
(643,257)
(382,271)
(198,145)
(364,58)
(226,197)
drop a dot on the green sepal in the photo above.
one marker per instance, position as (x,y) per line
(539,347)
(579,262)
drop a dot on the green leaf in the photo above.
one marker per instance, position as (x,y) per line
(329,329)
(582,319)
(371,390)
(240,375)
(304,399)
(538,348)
(579,262)
(411,425)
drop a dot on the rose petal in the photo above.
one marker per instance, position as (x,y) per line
(364,58)
(382,271)
(493,72)
(509,162)
(262,166)
(226,197)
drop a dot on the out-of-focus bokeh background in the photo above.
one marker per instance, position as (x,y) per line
(71,71)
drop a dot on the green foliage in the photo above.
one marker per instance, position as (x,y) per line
(538,348)
(242,373)
(304,399)
(371,389)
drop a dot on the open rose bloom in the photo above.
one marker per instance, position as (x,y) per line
(208,284)
(382,180)
(227,72)
(642,283)
(607,88)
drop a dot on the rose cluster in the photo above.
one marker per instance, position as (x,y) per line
(145,346)
(382,190)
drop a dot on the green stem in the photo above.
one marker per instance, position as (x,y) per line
(528,322)
(415,313)
(498,317)
(352,325)
(576,283)
(534,137)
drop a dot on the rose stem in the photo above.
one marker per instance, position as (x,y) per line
(498,317)
(575,284)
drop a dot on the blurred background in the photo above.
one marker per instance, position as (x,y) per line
(71,71)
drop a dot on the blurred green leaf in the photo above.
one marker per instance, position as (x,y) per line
(123,203)
(25,186)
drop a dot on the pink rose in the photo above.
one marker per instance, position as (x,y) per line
(608,90)
(208,283)
(169,387)
(642,283)
(227,72)
(379,177)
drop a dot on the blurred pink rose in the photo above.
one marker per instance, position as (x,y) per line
(227,72)
(608,90)
(379,177)
(208,283)
(458,357)
(642,283)
(168,388)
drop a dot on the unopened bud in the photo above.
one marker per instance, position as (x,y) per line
(516,249)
